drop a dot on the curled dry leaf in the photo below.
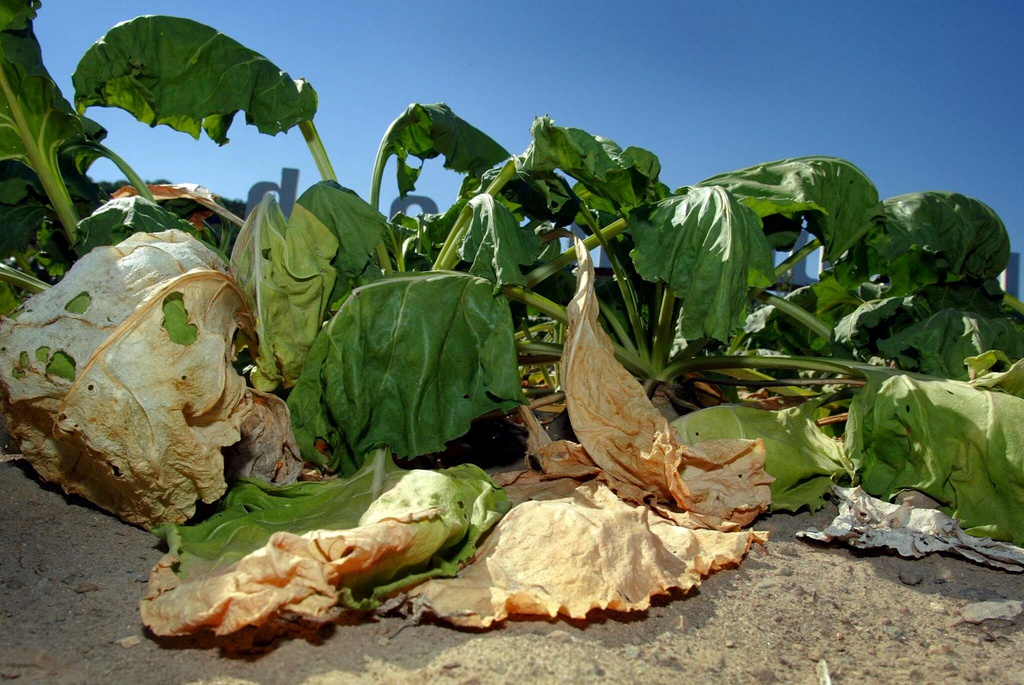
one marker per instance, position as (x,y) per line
(183,191)
(426,525)
(638,451)
(267,450)
(118,381)
(607,554)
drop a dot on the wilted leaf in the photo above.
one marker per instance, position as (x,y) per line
(105,397)
(569,555)
(426,131)
(307,548)
(868,523)
(182,191)
(638,451)
(803,460)
(624,178)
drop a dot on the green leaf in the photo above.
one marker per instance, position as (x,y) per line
(939,345)
(934,237)
(624,178)
(120,218)
(409,362)
(960,445)
(426,131)
(708,248)
(802,459)
(284,268)
(834,197)
(875,320)
(466,504)
(356,226)
(178,72)
(35,119)
(495,244)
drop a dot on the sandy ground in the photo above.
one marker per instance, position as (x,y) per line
(71,577)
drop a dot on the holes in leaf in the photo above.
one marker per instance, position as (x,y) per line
(20,369)
(61,365)
(79,303)
(115,470)
(175,322)
(42,354)
(466,396)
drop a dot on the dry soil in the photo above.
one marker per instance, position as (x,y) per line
(71,577)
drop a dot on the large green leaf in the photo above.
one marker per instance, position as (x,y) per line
(939,345)
(835,198)
(426,131)
(958,444)
(495,244)
(623,178)
(284,268)
(464,501)
(802,459)
(708,248)
(178,72)
(409,362)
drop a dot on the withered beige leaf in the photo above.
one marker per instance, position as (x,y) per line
(118,380)
(183,191)
(636,448)
(570,555)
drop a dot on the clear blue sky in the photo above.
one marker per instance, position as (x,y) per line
(920,95)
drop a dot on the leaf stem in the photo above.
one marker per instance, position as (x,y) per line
(22,280)
(795,312)
(568,257)
(634,364)
(1013,303)
(795,258)
(763,362)
(316,148)
(129,173)
(448,257)
(663,333)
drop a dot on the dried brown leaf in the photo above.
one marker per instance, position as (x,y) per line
(570,555)
(634,445)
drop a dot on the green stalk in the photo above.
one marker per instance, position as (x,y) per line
(795,312)
(630,361)
(316,147)
(625,285)
(542,367)
(129,173)
(663,334)
(1013,303)
(448,257)
(795,258)
(820,365)
(44,165)
(541,273)
(22,280)
(552,310)
(617,325)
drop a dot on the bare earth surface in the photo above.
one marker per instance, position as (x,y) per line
(71,577)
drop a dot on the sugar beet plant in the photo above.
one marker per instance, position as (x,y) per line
(400,331)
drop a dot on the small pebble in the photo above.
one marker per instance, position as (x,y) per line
(908,577)
(129,642)
(764,675)
(82,588)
